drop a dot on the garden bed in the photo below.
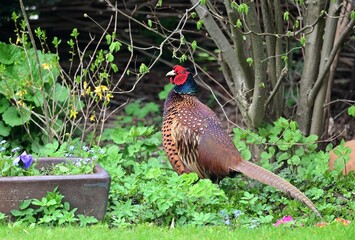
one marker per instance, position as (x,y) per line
(87,192)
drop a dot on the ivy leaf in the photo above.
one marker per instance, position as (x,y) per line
(16,117)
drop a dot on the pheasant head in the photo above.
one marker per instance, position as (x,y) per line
(183,80)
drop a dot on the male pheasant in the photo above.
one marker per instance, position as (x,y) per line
(194,140)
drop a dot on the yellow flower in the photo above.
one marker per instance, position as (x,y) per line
(20,103)
(108,97)
(100,89)
(92,117)
(73,113)
(46,66)
(87,89)
(21,93)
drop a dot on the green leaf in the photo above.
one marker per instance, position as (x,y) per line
(243,8)
(16,213)
(199,24)
(234,5)
(182,40)
(4,104)
(108,38)
(109,57)
(282,156)
(250,61)
(351,111)
(24,204)
(352,14)
(4,129)
(194,45)
(114,67)
(183,58)
(15,117)
(115,46)
(297,24)
(9,54)
(61,93)
(303,40)
(56,42)
(167,88)
(150,23)
(284,57)
(143,69)
(74,33)
(286,15)
(159,3)
(239,23)
(246,154)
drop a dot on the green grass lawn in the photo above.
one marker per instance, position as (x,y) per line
(144,232)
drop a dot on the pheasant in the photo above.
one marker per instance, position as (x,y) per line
(194,140)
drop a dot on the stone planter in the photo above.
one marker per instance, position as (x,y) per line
(87,192)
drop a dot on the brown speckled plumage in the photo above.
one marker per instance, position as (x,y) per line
(195,141)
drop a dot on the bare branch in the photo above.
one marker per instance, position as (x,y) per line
(222,43)
(329,60)
(277,86)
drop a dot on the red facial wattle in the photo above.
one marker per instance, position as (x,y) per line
(181,75)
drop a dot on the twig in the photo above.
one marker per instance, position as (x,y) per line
(278,84)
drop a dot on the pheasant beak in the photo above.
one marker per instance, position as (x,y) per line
(171,73)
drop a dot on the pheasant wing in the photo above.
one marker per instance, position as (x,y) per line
(187,144)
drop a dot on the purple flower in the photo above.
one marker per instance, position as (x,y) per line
(227,222)
(16,149)
(24,160)
(254,224)
(283,220)
(237,213)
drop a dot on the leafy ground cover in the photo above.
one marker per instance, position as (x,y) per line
(145,190)
(334,231)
